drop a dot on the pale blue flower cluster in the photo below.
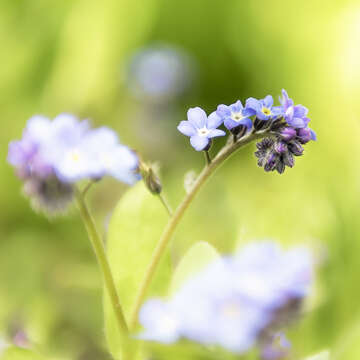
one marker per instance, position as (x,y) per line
(256,115)
(235,300)
(52,155)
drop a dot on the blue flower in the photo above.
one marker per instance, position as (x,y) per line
(200,128)
(159,73)
(163,322)
(264,108)
(234,301)
(295,116)
(96,154)
(53,155)
(235,115)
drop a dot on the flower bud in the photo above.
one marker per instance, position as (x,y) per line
(280,147)
(304,135)
(288,133)
(151,180)
(296,148)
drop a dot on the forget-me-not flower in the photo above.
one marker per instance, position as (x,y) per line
(296,116)
(201,128)
(235,115)
(264,108)
(53,155)
(234,301)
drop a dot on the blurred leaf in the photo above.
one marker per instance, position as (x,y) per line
(134,230)
(196,258)
(14,353)
(186,350)
(324,355)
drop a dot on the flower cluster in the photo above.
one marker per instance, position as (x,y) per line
(284,128)
(235,302)
(53,155)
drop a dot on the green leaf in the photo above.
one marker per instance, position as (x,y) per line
(14,353)
(324,355)
(134,230)
(195,259)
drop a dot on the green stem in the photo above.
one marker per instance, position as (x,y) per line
(103,263)
(208,170)
(207,157)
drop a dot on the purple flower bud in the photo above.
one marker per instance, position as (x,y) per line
(280,147)
(304,135)
(296,148)
(271,162)
(288,133)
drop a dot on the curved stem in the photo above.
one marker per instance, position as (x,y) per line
(208,170)
(103,263)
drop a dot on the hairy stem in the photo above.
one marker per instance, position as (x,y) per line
(208,170)
(99,250)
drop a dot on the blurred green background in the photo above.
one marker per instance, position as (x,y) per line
(75,56)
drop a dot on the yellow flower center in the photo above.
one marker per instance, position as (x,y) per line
(266,111)
(75,156)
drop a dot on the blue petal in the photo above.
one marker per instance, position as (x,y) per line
(214,121)
(248,112)
(230,123)
(277,110)
(215,133)
(197,117)
(313,135)
(186,128)
(253,103)
(268,101)
(247,122)
(298,122)
(237,107)
(300,111)
(199,143)
(260,115)
(223,111)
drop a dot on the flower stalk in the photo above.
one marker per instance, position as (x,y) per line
(99,250)
(169,230)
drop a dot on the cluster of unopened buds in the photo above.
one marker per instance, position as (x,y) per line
(284,128)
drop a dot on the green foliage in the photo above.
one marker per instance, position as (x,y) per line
(14,353)
(324,355)
(185,350)
(134,230)
(196,258)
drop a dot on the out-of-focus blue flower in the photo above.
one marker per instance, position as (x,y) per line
(96,154)
(264,108)
(163,323)
(235,300)
(52,155)
(201,128)
(159,73)
(235,115)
